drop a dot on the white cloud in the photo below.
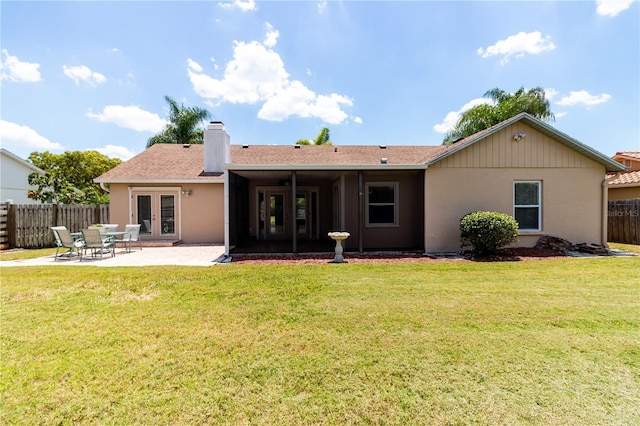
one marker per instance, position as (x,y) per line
(114,151)
(271,38)
(322,7)
(130,117)
(257,74)
(452,117)
(357,120)
(23,137)
(245,6)
(12,69)
(560,114)
(193,65)
(550,93)
(612,7)
(582,97)
(518,45)
(83,73)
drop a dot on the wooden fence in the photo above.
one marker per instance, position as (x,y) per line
(624,221)
(29,225)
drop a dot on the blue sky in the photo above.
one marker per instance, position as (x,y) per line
(93,75)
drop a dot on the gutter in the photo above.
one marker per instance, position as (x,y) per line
(605,209)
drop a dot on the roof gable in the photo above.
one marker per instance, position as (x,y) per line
(542,127)
(23,163)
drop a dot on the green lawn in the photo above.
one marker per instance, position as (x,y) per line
(553,342)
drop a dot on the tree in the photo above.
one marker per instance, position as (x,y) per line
(321,139)
(68,178)
(183,125)
(504,106)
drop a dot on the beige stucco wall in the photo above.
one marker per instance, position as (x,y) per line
(201,214)
(481,178)
(624,193)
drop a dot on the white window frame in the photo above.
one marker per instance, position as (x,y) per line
(396,197)
(538,206)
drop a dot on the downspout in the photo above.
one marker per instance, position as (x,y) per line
(605,209)
(104,188)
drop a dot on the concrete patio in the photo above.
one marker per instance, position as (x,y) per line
(184,254)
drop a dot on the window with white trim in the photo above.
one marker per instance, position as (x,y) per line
(382,204)
(527,205)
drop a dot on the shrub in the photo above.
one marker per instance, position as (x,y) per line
(486,232)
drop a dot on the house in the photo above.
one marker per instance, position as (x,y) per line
(14,178)
(625,185)
(288,197)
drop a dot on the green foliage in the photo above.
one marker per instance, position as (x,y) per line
(183,125)
(68,177)
(486,232)
(504,106)
(321,139)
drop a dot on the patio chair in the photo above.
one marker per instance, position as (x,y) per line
(97,243)
(110,227)
(100,228)
(64,240)
(132,234)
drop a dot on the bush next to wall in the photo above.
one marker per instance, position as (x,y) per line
(485,232)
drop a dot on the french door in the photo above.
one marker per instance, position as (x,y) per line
(274,214)
(157,213)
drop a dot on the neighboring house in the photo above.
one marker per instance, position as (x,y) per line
(625,185)
(14,183)
(288,197)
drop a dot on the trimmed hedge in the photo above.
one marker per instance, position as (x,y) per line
(485,232)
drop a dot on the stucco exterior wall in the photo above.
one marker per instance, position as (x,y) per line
(201,214)
(481,177)
(624,193)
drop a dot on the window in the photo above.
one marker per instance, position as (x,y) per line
(382,204)
(527,205)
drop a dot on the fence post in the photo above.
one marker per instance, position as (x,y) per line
(11,225)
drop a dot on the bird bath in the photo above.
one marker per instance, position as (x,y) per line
(338,237)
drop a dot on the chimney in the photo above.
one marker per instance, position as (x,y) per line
(216,147)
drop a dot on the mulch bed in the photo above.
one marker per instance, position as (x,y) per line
(502,255)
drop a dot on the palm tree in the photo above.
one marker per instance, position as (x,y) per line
(504,106)
(183,125)
(321,139)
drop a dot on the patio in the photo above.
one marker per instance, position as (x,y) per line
(184,254)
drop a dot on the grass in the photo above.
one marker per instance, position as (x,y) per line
(19,254)
(634,248)
(537,342)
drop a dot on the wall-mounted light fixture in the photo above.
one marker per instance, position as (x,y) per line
(518,137)
(187,192)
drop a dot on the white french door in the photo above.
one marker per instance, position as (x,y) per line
(157,213)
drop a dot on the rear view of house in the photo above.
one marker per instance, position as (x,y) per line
(287,198)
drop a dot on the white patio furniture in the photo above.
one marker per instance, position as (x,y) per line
(97,243)
(64,240)
(131,235)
